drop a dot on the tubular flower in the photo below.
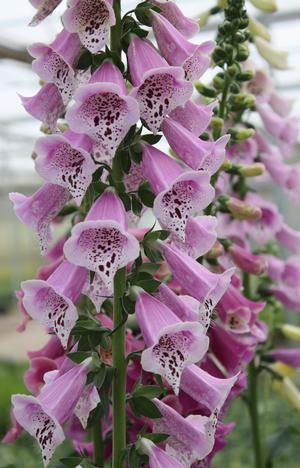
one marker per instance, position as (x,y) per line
(190,439)
(196,153)
(174,15)
(174,344)
(44,9)
(65,160)
(159,88)
(181,194)
(158,458)
(92,20)
(44,415)
(51,302)
(102,110)
(38,210)
(101,243)
(54,63)
(178,51)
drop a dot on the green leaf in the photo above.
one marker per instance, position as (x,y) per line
(71,462)
(67,210)
(141,406)
(99,377)
(79,356)
(154,255)
(134,457)
(151,139)
(136,205)
(149,268)
(150,286)
(148,391)
(157,437)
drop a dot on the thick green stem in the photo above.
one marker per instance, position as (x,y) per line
(253,396)
(119,381)
(98,444)
(116,30)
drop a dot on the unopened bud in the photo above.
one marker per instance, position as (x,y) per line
(203,18)
(243,53)
(45,129)
(252,170)
(290,331)
(275,57)
(215,252)
(226,165)
(259,29)
(283,369)
(243,211)
(204,90)
(218,82)
(246,75)
(233,70)
(216,123)
(269,6)
(241,134)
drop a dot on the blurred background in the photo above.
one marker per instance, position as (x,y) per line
(19,252)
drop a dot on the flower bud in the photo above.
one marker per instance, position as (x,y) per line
(243,53)
(290,331)
(275,57)
(215,252)
(226,165)
(216,123)
(241,210)
(246,261)
(288,390)
(203,18)
(283,369)
(204,90)
(233,70)
(258,29)
(246,75)
(252,170)
(218,82)
(241,134)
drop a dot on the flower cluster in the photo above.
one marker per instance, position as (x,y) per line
(159,312)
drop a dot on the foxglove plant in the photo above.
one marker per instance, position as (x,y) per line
(153,329)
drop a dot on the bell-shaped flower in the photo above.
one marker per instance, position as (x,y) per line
(288,356)
(88,401)
(38,210)
(178,51)
(101,243)
(173,344)
(246,261)
(92,20)
(194,117)
(44,9)
(158,458)
(277,58)
(47,105)
(63,160)
(159,88)
(43,416)
(196,153)
(51,302)
(190,439)
(174,15)
(53,63)
(186,308)
(103,111)
(289,238)
(34,376)
(238,313)
(200,235)
(197,280)
(180,194)
(285,129)
(209,391)
(287,295)
(281,103)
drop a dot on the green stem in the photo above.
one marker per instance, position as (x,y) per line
(253,395)
(119,381)
(98,443)
(116,30)
(222,106)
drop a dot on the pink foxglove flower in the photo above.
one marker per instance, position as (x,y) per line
(194,117)
(196,153)
(34,376)
(92,20)
(181,194)
(190,439)
(246,261)
(174,15)
(159,88)
(158,458)
(44,9)
(174,344)
(53,63)
(88,401)
(47,105)
(44,415)
(51,302)
(289,238)
(103,111)
(281,104)
(289,356)
(101,243)
(178,51)
(38,210)
(197,280)
(64,160)
(285,129)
